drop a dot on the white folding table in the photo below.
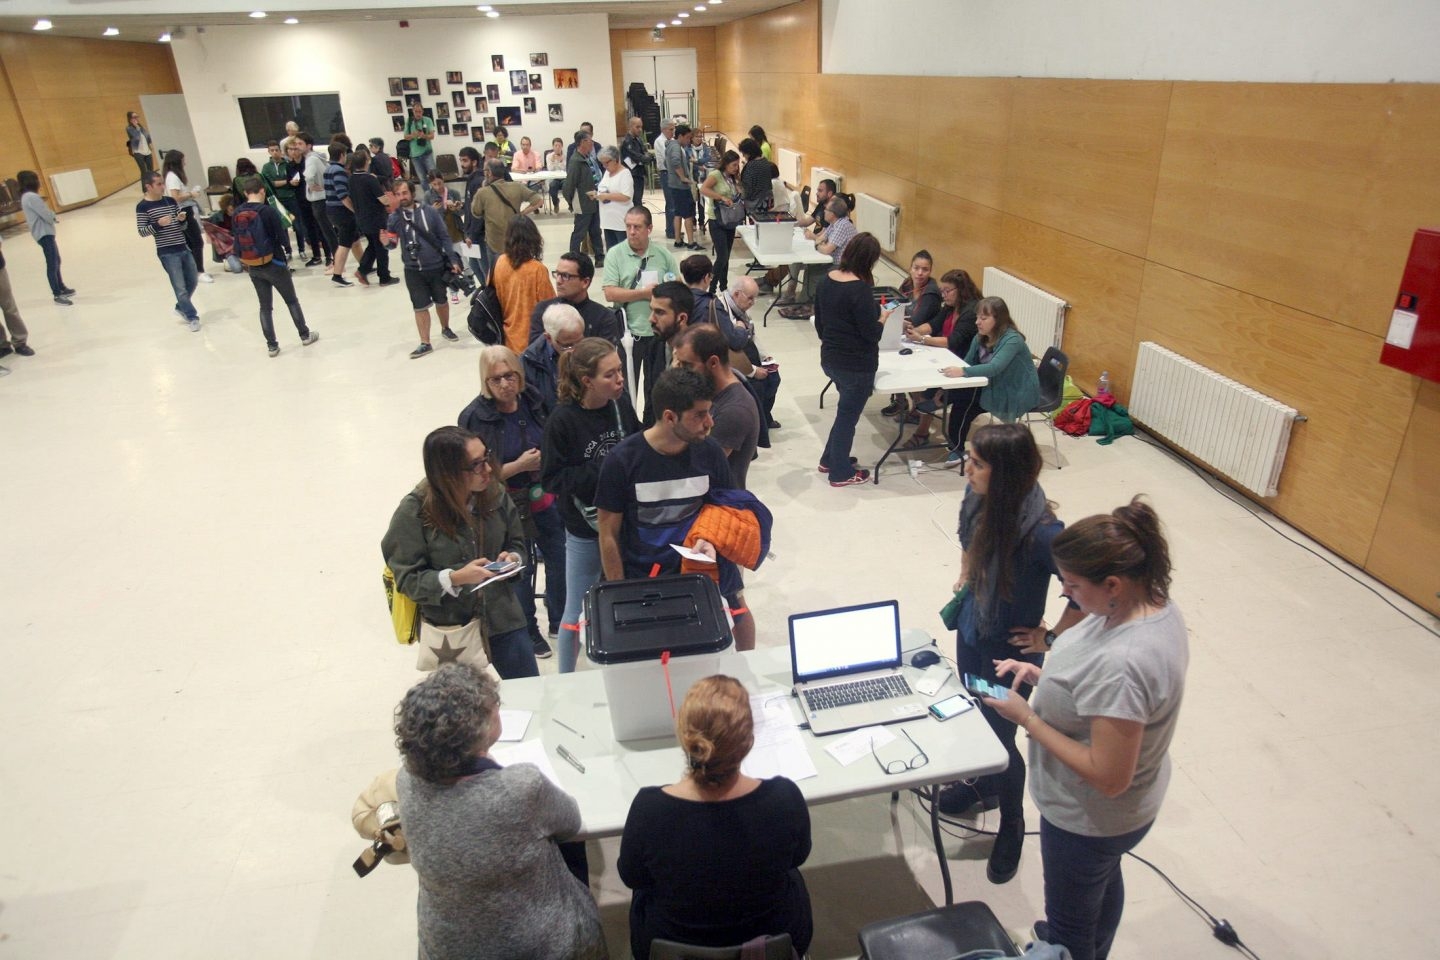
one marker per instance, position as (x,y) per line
(801,251)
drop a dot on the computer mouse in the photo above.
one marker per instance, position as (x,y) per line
(925,658)
(906,351)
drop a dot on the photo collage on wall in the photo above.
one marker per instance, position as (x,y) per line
(453,117)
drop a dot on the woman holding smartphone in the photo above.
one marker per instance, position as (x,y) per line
(443,539)
(1006,528)
(1100,724)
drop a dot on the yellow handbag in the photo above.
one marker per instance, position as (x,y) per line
(404,612)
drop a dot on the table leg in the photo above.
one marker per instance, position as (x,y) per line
(828,385)
(899,435)
(940,844)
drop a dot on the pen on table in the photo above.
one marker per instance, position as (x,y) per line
(570,728)
(570,759)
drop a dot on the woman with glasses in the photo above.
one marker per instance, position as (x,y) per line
(442,540)
(1006,529)
(509,417)
(714,858)
(499,876)
(594,414)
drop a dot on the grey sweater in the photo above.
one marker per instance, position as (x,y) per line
(492,882)
(38,214)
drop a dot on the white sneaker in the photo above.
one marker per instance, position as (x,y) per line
(206,278)
(194,325)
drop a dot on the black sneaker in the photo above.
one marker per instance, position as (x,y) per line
(449,334)
(66,291)
(387,281)
(340,281)
(63,300)
(24,350)
(960,798)
(1005,855)
(6,350)
(273,349)
(553,631)
(309,338)
(542,649)
(313,262)
(421,350)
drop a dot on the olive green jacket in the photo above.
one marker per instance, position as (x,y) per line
(416,553)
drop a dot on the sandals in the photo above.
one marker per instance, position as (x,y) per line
(916,441)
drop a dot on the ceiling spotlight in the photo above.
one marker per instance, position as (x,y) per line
(674,23)
(492,14)
(682,14)
(700,8)
(661,26)
(291,21)
(164,37)
(258,14)
(43,24)
(484,8)
(111,32)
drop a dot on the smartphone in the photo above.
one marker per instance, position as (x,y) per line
(951,707)
(984,688)
(500,566)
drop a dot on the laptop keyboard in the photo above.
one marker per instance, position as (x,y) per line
(860,691)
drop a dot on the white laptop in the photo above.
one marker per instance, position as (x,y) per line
(774,236)
(847,669)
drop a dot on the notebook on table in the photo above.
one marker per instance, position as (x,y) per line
(846,666)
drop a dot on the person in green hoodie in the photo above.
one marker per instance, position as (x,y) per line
(442,539)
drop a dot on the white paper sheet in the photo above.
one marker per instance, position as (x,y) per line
(513,724)
(532,751)
(1402,329)
(857,744)
(470,251)
(689,554)
(779,750)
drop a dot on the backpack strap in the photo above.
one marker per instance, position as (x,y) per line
(505,199)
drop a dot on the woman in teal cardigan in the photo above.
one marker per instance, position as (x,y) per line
(1000,354)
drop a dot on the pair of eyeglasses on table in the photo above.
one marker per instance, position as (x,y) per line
(895,767)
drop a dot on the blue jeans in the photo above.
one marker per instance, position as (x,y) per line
(513,654)
(582,571)
(52,265)
(420,167)
(1084,891)
(669,210)
(854,389)
(550,538)
(184,278)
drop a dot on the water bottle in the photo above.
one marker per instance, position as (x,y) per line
(1103,389)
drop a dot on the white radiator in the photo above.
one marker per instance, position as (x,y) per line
(72,187)
(879,218)
(1039,315)
(824,173)
(789,163)
(1240,432)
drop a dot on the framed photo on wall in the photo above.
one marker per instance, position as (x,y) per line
(411,84)
(477,135)
(519,82)
(461,130)
(492,92)
(394,107)
(567,78)
(534,82)
(497,63)
(482,105)
(454,77)
(457,98)
(462,116)
(442,109)
(395,87)
(442,127)
(510,116)
(473,89)
(432,87)
(530,106)
(411,99)
(489,124)
(398,123)
(557,113)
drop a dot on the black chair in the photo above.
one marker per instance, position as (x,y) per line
(448,166)
(940,934)
(220,181)
(805,199)
(1053,367)
(776,948)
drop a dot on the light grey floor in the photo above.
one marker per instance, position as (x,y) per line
(197,676)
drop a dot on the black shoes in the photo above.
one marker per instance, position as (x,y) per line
(960,798)
(542,649)
(387,281)
(313,262)
(420,351)
(1005,855)
(449,334)
(340,281)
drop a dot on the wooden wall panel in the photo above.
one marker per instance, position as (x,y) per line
(967,136)
(785,40)
(1340,462)
(1102,286)
(16,153)
(1409,529)
(1084,156)
(72,95)
(959,234)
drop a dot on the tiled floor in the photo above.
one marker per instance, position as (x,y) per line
(197,677)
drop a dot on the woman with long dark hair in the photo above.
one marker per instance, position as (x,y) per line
(757,178)
(999,353)
(1104,711)
(714,858)
(757,133)
(721,190)
(521,280)
(177,190)
(953,328)
(442,539)
(849,323)
(1006,528)
(592,416)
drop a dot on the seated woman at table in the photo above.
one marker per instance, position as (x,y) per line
(953,327)
(714,858)
(922,292)
(487,841)
(1000,354)
(441,538)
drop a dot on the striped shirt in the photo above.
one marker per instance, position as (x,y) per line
(147,222)
(337,185)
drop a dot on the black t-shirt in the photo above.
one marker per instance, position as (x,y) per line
(716,874)
(365,193)
(847,318)
(576,443)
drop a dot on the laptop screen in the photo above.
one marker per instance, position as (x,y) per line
(831,643)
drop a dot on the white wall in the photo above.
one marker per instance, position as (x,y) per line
(1297,41)
(357,58)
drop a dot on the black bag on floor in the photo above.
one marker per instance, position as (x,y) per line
(487,320)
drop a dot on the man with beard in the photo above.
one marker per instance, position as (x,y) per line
(428,257)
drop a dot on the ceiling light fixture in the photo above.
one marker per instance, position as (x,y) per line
(291,21)
(484,8)
(700,8)
(682,14)
(492,14)
(258,14)
(164,37)
(111,32)
(661,26)
(675,23)
(43,24)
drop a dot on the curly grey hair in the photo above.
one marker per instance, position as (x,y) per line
(444,720)
(607,154)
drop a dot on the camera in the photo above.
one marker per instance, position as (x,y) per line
(460,283)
